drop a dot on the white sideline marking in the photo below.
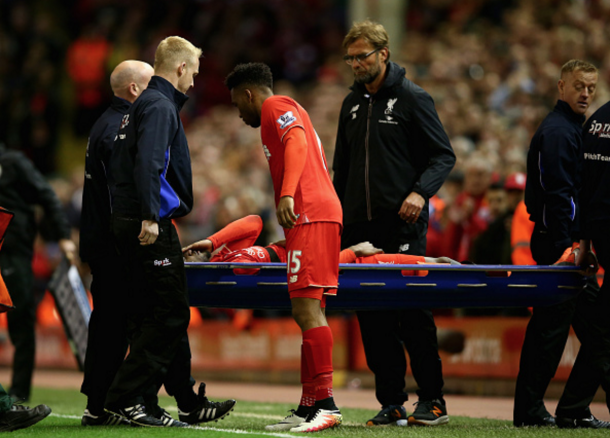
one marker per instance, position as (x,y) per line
(238,431)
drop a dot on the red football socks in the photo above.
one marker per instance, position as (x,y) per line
(318,352)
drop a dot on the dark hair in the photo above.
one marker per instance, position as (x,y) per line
(254,74)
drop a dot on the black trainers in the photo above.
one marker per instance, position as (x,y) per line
(20,417)
(429,413)
(391,414)
(581,423)
(206,410)
(106,419)
(169,421)
(137,416)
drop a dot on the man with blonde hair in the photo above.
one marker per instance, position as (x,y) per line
(148,190)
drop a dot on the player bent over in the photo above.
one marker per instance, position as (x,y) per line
(308,209)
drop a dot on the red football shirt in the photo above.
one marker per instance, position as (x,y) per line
(315,199)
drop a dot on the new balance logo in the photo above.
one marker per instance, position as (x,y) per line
(286,120)
(353,111)
(437,411)
(293,278)
(164,262)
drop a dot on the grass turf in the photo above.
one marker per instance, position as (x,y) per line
(250,418)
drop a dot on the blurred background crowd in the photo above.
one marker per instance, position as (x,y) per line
(491,66)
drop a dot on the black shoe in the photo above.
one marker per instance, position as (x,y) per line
(20,417)
(581,423)
(168,420)
(206,410)
(137,416)
(106,419)
(429,413)
(540,422)
(391,414)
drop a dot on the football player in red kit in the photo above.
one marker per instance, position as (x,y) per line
(308,209)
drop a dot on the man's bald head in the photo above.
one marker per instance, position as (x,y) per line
(130,78)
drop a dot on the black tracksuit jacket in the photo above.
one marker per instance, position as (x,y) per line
(22,187)
(389,145)
(594,195)
(150,167)
(553,174)
(95,235)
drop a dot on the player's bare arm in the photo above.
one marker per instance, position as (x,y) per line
(285,212)
(365,249)
(199,246)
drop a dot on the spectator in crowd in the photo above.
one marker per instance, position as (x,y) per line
(22,187)
(469,214)
(591,366)
(493,246)
(391,156)
(148,190)
(107,338)
(553,173)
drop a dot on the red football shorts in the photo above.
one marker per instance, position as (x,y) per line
(312,252)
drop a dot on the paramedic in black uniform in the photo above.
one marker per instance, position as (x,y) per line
(151,184)
(553,175)
(592,365)
(107,338)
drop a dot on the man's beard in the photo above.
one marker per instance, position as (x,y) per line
(369,77)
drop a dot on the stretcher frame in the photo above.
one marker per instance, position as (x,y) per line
(378,287)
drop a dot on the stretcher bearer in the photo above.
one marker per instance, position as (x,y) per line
(309,211)
(151,184)
(551,197)
(593,362)
(107,334)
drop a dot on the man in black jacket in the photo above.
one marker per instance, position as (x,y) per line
(107,337)
(551,197)
(22,187)
(593,361)
(391,156)
(148,190)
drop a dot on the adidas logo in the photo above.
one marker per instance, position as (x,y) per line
(207,413)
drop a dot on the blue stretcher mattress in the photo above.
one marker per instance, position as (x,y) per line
(377,287)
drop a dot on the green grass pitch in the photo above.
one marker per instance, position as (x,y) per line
(249,420)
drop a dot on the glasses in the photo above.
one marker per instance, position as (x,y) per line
(358,58)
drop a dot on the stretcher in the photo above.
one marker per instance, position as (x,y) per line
(377,287)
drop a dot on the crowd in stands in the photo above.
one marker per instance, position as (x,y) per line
(491,66)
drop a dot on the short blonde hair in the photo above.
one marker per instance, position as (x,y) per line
(371,32)
(175,50)
(577,65)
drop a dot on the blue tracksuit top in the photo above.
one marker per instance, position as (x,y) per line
(553,174)
(150,168)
